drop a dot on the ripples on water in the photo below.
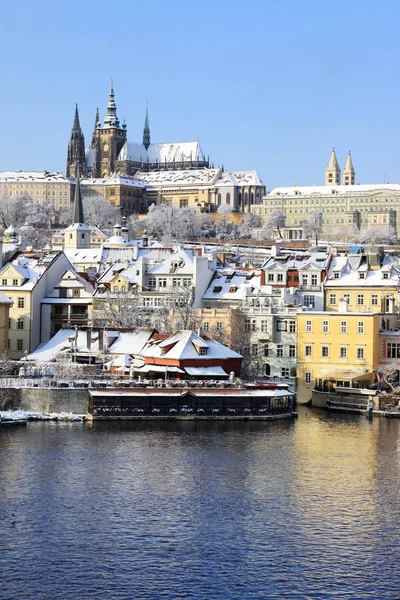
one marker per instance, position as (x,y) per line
(201,510)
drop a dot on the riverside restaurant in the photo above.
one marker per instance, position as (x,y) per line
(266,401)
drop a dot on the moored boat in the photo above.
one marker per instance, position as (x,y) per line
(13,422)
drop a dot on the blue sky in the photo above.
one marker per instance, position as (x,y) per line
(270,85)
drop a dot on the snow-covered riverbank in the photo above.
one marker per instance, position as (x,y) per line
(16,415)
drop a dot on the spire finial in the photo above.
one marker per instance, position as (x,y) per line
(76,124)
(146,130)
(111,119)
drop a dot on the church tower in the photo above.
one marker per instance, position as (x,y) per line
(76,148)
(77,235)
(332,172)
(146,130)
(349,174)
(108,140)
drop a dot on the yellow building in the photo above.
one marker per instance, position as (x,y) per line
(126,193)
(368,282)
(5,305)
(336,349)
(38,186)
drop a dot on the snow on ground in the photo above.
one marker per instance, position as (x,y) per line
(15,415)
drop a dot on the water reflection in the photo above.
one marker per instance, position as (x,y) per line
(201,510)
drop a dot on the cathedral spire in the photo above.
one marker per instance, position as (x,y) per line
(76,148)
(111,119)
(349,174)
(97,124)
(146,130)
(77,217)
(332,172)
(76,126)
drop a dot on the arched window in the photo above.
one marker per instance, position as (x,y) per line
(219,199)
(246,198)
(228,198)
(252,198)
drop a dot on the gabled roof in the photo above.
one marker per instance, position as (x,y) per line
(182,345)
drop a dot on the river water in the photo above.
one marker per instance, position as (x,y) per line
(202,510)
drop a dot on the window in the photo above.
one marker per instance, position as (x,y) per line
(279,351)
(254,350)
(76,292)
(308,378)
(203,351)
(266,350)
(20,345)
(183,203)
(285,372)
(346,297)
(343,352)
(314,279)
(292,326)
(360,353)
(270,277)
(219,326)
(152,282)
(386,276)
(332,298)
(247,325)
(360,299)
(360,327)
(309,300)
(308,326)
(343,326)
(21,302)
(325,351)
(336,275)
(308,350)
(264,326)
(393,350)
(9,323)
(279,277)
(362,275)
(325,326)
(4,282)
(281,325)
(15,282)
(292,351)
(20,324)
(374,299)
(304,279)
(162,282)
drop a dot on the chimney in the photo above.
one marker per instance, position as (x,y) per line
(275,251)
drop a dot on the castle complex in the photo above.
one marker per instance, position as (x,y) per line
(111,152)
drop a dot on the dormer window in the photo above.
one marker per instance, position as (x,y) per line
(233,289)
(385,275)
(217,289)
(362,275)
(203,351)
(336,275)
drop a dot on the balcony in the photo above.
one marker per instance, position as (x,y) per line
(310,288)
(73,317)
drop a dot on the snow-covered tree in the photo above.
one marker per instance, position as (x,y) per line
(120,310)
(389,373)
(169,223)
(313,225)
(374,235)
(273,224)
(99,213)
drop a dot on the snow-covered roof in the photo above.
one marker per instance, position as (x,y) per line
(179,177)
(130,342)
(349,273)
(5,299)
(60,342)
(330,190)
(302,262)
(182,345)
(232,284)
(206,371)
(30,269)
(33,177)
(114,180)
(178,263)
(160,153)
(88,255)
